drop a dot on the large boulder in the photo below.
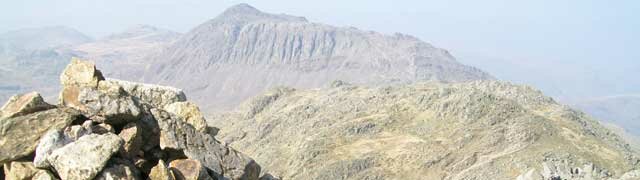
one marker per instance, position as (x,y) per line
(161,172)
(188,169)
(190,113)
(77,75)
(56,139)
(85,158)
(109,103)
(155,95)
(226,163)
(23,104)
(23,171)
(19,136)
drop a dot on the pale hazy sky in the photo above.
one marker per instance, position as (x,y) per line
(599,34)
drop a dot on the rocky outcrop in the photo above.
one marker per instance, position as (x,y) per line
(109,129)
(431,130)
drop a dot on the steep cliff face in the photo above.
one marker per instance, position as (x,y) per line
(476,130)
(244,51)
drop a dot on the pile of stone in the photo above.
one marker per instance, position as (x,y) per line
(112,129)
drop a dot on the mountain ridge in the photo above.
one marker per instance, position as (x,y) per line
(237,55)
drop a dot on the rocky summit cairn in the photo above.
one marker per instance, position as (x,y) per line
(112,129)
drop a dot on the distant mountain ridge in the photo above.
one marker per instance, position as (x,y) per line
(244,51)
(30,59)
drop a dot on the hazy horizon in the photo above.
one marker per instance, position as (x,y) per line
(592,38)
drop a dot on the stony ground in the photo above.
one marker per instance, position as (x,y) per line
(477,130)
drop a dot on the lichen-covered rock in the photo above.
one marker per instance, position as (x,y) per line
(77,75)
(48,143)
(86,157)
(109,103)
(188,169)
(22,171)
(19,136)
(155,95)
(23,104)
(190,113)
(161,172)
(132,141)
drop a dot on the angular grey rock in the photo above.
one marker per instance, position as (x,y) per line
(19,136)
(23,104)
(109,103)
(85,158)
(51,141)
(155,95)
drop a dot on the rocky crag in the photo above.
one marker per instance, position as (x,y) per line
(475,130)
(244,51)
(112,129)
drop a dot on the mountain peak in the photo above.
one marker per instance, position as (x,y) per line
(244,13)
(242,8)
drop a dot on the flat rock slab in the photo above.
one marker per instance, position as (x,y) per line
(19,136)
(85,158)
(156,95)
